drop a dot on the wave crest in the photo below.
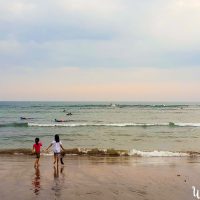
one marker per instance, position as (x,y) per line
(135,152)
(115,124)
(104,152)
(26,124)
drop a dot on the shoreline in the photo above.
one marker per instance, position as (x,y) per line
(103,152)
(92,177)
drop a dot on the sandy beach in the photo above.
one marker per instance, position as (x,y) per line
(84,177)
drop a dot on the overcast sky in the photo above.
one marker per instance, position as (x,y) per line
(123,50)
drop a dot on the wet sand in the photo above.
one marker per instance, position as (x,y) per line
(99,178)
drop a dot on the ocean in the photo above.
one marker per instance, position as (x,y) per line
(140,128)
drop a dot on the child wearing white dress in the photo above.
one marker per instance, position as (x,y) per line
(57,146)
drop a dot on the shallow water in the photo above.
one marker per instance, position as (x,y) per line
(146,126)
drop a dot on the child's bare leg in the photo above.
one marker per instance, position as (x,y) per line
(61,160)
(35,163)
(57,160)
(54,159)
(38,162)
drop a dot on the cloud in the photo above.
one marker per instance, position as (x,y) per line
(95,33)
(107,45)
(177,23)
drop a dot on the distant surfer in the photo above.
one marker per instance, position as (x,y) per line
(61,120)
(25,118)
(69,113)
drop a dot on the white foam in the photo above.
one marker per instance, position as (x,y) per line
(47,154)
(85,124)
(55,125)
(134,124)
(156,153)
(188,124)
(114,124)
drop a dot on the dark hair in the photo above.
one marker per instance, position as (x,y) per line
(37,140)
(57,139)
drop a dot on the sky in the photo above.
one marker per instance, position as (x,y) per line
(100,50)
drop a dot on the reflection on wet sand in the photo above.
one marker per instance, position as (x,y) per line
(99,178)
(36,181)
(58,181)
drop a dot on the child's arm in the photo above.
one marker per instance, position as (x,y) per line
(48,147)
(62,147)
(33,150)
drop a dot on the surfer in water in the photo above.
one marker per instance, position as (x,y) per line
(25,118)
(61,120)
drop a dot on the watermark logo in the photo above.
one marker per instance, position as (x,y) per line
(196,192)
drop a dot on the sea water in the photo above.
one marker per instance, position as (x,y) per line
(145,128)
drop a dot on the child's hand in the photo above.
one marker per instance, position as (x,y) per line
(46,150)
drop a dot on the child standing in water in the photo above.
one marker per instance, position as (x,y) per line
(57,146)
(36,150)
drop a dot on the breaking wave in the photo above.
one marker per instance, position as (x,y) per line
(61,124)
(135,152)
(104,152)
(115,124)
